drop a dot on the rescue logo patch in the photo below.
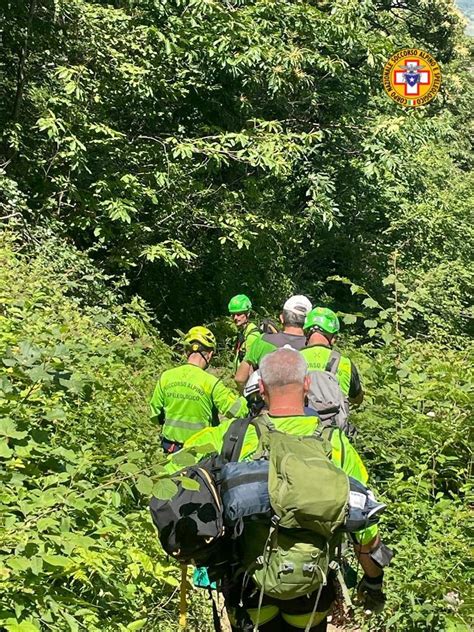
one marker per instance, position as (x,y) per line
(412,77)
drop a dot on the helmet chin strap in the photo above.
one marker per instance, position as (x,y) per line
(324,334)
(204,358)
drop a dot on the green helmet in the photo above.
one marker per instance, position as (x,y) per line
(240,303)
(322,318)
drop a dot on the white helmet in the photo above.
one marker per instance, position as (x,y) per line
(252,387)
(298,304)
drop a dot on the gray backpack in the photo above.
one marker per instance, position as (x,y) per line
(327,399)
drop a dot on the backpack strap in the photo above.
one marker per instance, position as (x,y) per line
(215,613)
(235,436)
(329,432)
(234,439)
(265,421)
(333,362)
(326,431)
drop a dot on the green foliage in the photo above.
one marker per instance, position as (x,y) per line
(78,457)
(171,135)
(415,432)
(161,156)
(416,437)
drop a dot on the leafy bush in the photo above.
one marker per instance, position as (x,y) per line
(416,437)
(78,457)
(77,549)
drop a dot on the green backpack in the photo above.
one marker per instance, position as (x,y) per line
(288,556)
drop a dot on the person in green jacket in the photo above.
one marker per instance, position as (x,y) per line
(292,318)
(248,332)
(187,399)
(321,327)
(284,384)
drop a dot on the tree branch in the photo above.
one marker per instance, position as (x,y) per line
(21,79)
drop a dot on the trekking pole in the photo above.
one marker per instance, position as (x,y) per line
(336,567)
(183,605)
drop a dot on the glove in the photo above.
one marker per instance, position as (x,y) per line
(370,593)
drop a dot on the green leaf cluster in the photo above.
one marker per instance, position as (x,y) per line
(168,136)
(78,457)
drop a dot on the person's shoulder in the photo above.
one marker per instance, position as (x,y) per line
(346,358)
(252,329)
(212,381)
(311,421)
(256,347)
(209,376)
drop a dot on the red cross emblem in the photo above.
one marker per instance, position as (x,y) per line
(411,76)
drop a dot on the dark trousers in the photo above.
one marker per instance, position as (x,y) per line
(170,446)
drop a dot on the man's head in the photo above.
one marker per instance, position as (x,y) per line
(201,341)
(239,309)
(295,310)
(321,323)
(284,381)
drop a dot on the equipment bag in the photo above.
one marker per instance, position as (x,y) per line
(283,563)
(244,490)
(191,525)
(327,399)
(307,491)
(245,493)
(363,510)
(288,555)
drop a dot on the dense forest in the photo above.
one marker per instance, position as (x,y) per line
(159,156)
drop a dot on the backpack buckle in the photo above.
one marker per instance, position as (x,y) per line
(287,567)
(309,567)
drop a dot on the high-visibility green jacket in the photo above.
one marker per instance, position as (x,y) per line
(270,342)
(344,455)
(317,358)
(244,341)
(187,399)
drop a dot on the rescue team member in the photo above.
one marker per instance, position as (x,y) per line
(239,309)
(187,398)
(284,384)
(292,318)
(321,326)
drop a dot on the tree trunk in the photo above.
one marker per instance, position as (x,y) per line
(22,60)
